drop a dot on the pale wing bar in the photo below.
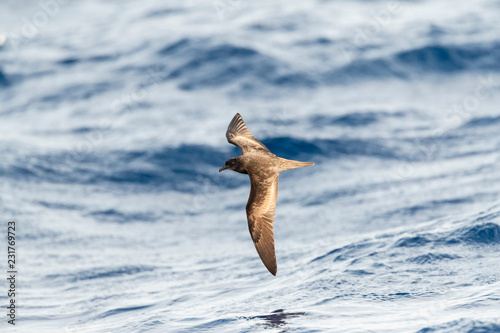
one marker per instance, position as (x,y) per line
(238,134)
(261,208)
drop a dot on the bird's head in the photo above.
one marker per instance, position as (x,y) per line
(234,164)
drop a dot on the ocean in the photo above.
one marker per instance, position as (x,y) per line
(113,119)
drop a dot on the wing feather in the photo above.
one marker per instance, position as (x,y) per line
(261,208)
(238,134)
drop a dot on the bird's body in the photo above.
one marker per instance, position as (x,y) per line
(263,168)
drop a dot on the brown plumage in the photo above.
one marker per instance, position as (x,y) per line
(263,168)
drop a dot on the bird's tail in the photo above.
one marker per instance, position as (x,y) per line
(291,164)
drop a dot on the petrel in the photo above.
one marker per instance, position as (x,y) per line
(263,168)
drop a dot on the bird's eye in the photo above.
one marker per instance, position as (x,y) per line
(232,162)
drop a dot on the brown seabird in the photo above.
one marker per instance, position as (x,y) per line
(263,168)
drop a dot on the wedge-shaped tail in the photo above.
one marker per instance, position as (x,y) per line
(291,164)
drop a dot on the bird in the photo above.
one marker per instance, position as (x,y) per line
(263,168)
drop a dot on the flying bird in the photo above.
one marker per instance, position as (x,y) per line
(263,168)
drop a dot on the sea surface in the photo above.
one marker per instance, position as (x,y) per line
(112,121)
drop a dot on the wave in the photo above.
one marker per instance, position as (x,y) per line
(450,58)
(163,12)
(431,245)
(118,311)
(289,147)
(3,79)
(431,258)
(100,273)
(463,325)
(202,64)
(483,122)
(205,63)
(418,61)
(412,241)
(481,234)
(363,69)
(69,61)
(180,168)
(427,207)
(347,252)
(478,234)
(357,119)
(112,215)
(54,205)
(79,92)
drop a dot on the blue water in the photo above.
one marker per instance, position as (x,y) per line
(113,119)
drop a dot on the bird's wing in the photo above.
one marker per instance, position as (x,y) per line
(261,207)
(238,134)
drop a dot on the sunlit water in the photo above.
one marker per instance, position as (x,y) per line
(113,117)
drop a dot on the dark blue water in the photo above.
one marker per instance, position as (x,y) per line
(113,119)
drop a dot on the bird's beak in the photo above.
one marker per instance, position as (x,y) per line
(223,168)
